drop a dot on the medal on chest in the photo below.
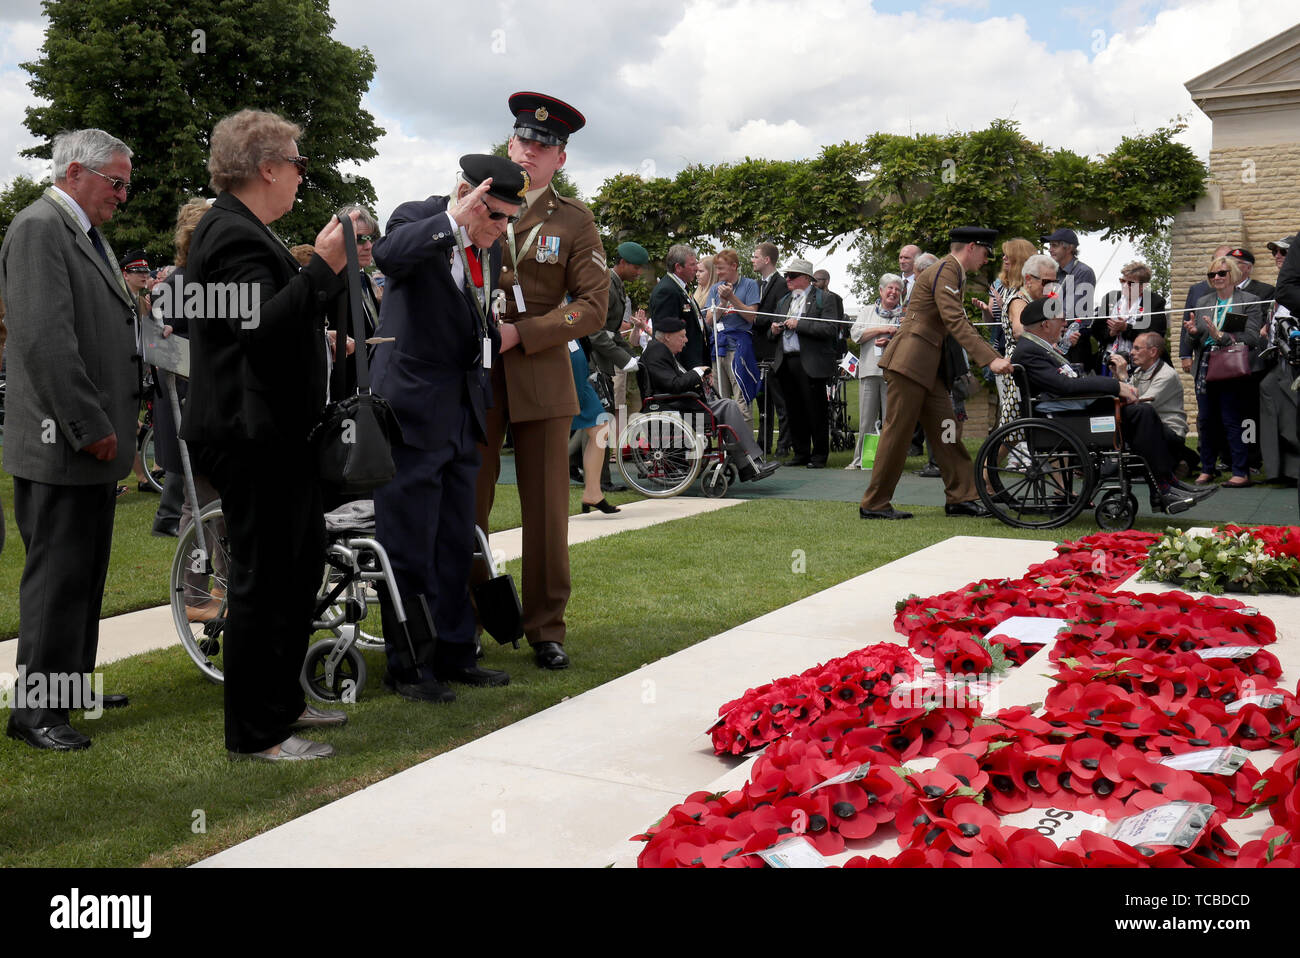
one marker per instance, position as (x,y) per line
(548,249)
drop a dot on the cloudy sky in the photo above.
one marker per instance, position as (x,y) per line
(672,82)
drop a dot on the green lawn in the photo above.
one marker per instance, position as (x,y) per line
(158,770)
(157,788)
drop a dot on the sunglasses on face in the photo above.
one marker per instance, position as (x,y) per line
(1218,274)
(299,163)
(113,181)
(793,275)
(498,216)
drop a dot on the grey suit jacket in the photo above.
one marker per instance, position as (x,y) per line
(73,371)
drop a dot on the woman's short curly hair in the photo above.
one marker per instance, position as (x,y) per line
(243,141)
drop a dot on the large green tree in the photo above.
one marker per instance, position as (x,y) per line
(159,75)
(21,193)
(890,190)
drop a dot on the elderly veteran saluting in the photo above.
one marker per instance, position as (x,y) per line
(556,286)
(917,390)
(440,257)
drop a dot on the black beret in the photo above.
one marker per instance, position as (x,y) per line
(544,118)
(509,179)
(1041,310)
(1240,253)
(669,324)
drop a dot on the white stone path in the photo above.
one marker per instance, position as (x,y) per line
(569,785)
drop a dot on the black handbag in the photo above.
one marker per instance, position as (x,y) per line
(354,437)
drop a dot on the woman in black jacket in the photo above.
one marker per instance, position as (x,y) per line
(257,387)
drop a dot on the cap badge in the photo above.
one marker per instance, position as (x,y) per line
(541,114)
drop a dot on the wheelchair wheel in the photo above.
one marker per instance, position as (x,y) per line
(660,454)
(360,595)
(714,483)
(1033,474)
(198,592)
(1116,511)
(343,684)
(152,470)
(733,473)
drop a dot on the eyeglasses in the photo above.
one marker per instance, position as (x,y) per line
(299,162)
(1218,273)
(498,216)
(364,238)
(793,275)
(117,184)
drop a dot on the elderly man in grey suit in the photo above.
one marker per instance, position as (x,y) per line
(73,398)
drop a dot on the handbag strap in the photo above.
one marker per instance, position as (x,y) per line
(356,322)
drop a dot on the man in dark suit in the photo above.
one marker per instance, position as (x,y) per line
(74,379)
(1050,375)
(670,299)
(807,353)
(917,386)
(436,377)
(771,402)
(1251,397)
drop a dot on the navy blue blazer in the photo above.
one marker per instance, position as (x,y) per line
(437,358)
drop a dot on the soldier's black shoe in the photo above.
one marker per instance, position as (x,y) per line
(890,513)
(550,655)
(973,509)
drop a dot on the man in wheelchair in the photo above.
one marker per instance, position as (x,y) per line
(1053,381)
(666,376)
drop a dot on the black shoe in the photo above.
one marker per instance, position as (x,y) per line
(972,509)
(764,469)
(111,700)
(167,528)
(931,471)
(55,738)
(914,450)
(612,487)
(423,690)
(550,655)
(575,476)
(1172,502)
(817,464)
(796,461)
(477,676)
(890,513)
(1196,492)
(603,506)
(145,487)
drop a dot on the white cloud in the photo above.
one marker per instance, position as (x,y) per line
(664,85)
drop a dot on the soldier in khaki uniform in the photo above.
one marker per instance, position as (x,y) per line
(916,387)
(553,252)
